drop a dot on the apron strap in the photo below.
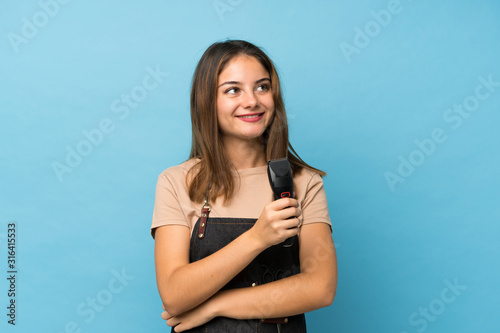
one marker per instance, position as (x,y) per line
(205,211)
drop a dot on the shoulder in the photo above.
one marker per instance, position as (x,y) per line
(311,194)
(172,203)
(307,178)
(180,170)
(175,177)
(309,186)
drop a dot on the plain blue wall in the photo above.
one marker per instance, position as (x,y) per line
(373,92)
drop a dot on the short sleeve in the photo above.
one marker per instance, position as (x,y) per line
(314,204)
(167,207)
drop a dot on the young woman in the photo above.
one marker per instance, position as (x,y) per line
(221,263)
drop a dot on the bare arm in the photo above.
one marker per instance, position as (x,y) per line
(183,285)
(309,290)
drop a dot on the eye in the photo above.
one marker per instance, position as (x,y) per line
(263,87)
(232,90)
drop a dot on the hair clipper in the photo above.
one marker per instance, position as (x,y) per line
(281,180)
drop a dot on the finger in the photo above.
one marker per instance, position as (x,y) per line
(291,223)
(298,211)
(288,213)
(289,233)
(285,202)
(165,315)
(173,321)
(163,306)
(179,328)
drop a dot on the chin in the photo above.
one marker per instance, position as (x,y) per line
(254,135)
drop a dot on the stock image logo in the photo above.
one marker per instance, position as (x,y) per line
(32,26)
(94,304)
(12,272)
(223,6)
(453,116)
(94,137)
(363,36)
(425,315)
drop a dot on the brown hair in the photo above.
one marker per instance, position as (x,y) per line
(214,172)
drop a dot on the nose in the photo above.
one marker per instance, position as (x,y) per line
(250,101)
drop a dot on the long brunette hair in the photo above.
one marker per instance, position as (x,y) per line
(214,172)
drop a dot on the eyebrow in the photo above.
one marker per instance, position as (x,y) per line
(239,83)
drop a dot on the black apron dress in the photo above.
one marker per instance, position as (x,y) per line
(274,263)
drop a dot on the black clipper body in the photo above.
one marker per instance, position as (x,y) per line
(281,181)
(280,178)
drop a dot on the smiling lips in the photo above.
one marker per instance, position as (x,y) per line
(251,117)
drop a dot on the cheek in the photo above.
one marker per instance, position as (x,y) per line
(219,106)
(221,111)
(225,107)
(269,102)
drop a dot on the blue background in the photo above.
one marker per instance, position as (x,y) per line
(355,114)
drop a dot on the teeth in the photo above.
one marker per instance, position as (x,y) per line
(253,116)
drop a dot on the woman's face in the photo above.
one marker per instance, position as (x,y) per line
(245,104)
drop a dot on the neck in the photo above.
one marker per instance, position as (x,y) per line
(245,154)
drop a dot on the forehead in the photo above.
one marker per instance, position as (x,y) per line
(242,68)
